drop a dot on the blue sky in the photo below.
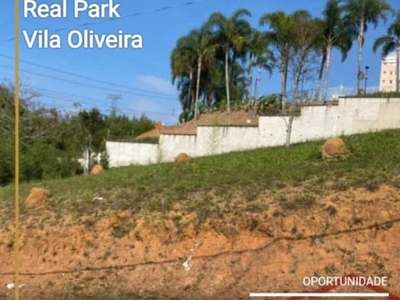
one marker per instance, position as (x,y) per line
(142,76)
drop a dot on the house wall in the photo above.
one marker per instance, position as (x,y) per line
(350,116)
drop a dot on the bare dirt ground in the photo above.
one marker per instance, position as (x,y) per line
(224,257)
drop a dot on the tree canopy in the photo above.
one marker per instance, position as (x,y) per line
(52,141)
(298,45)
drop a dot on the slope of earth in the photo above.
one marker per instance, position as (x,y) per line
(213,228)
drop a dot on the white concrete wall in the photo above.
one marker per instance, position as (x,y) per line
(385,116)
(213,140)
(351,116)
(173,144)
(125,154)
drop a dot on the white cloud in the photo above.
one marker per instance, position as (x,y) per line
(155,84)
(157,110)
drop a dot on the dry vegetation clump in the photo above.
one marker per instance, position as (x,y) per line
(97,169)
(181,158)
(37,197)
(333,148)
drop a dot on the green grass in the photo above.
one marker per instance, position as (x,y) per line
(374,159)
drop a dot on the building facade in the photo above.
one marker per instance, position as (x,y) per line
(388,76)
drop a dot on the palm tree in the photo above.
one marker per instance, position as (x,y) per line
(360,13)
(231,35)
(199,43)
(335,35)
(391,42)
(261,57)
(264,61)
(182,69)
(280,35)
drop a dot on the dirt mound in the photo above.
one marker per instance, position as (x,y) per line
(37,197)
(181,158)
(333,148)
(97,169)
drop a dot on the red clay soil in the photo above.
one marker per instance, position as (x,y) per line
(355,231)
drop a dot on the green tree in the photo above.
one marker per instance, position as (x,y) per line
(303,46)
(280,34)
(231,34)
(122,127)
(182,68)
(260,56)
(141,125)
(358,15)
(201,44)
(389,43)
(92,133)
(6,157)
(335,36)
(302,52)
(42,153)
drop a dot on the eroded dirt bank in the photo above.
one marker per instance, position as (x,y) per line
(224,257)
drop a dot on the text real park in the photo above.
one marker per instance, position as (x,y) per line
(88,39)
(345,281)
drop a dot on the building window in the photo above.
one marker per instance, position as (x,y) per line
(390,81)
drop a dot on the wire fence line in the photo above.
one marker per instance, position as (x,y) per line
(341,91)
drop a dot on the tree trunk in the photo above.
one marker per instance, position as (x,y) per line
(320,75)
(398,67)
(228,100)
(89,153)
(327,68)
(292,111)
(293,106)
(87,161)
(284,67)
(360,40)
(196,103)
(190,89)
(297,76)
(250,87)
(257,86)
(232,64)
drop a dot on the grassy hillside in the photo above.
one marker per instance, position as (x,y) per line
(265,191)
(191,187)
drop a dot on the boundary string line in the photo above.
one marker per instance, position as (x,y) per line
(16,104)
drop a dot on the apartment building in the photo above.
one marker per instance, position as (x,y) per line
(388,76)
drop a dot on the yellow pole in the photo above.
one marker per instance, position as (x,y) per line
(16,103)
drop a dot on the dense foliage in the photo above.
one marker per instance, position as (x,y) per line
(53,141)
